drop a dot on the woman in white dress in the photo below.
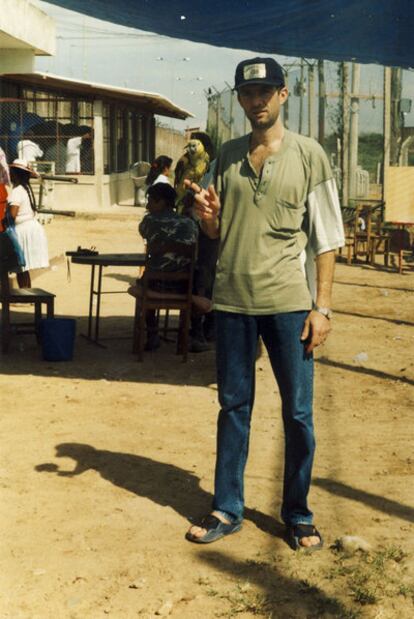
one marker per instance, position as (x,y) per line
(30,233)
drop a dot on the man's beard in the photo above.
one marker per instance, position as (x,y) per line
(263,124)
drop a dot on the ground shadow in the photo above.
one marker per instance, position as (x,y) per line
(282,597)
(388,506)
(129,279)
(363,370)
(115,361)
(162,483)
(395,321)
(343,283)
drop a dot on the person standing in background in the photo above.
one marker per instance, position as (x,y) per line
(30,233)
(4,181)
(27,149)
(160,171)
(73,151)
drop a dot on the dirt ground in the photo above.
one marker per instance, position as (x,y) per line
(105,460)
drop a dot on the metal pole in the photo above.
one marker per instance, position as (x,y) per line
(387,128)
(396,133)
(231,115)
(301,96)
(345,132)
(322,100)
(286,105)
(311,100)
(354,126)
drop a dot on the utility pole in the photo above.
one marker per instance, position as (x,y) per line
(396,133)
(286,104)
(322,102)
(354,126)
(301,89)
(387,128)
(311,99)
(231,111)
(345,131)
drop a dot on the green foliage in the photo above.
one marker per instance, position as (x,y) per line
(370,151)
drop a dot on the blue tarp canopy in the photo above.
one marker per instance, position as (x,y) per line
(369,31)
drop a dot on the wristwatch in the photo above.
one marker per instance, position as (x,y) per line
(325,311)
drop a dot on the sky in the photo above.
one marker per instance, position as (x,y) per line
(94,50)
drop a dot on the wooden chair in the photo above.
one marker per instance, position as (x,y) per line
(24,296)
(401,244)
(371,241)
(149,299)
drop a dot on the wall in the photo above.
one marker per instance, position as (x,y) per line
(25,27)
(169,142)
(399,194)
(114,189)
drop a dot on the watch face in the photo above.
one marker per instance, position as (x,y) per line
(325,311)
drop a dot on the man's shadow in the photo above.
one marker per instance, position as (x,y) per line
(165,484)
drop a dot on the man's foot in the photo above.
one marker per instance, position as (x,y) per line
(211,528)
(304,536)
(153,342)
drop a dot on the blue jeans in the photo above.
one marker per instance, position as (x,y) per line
(237,338)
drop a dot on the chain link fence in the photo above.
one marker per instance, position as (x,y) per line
(316,108)
(52,134)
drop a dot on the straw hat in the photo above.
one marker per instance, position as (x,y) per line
(21,164)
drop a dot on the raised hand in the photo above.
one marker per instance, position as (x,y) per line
(206,201)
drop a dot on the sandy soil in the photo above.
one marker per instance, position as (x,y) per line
(104,460)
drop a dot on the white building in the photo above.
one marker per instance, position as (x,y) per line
(50,110)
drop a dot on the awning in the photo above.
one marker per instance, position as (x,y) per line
(146,101)
(369,31)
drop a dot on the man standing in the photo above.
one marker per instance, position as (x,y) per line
(73,153)
(274,198)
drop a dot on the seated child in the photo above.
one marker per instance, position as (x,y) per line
(162,223)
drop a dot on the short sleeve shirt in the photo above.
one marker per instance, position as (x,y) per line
(20,198)
(265,225)
(168,226)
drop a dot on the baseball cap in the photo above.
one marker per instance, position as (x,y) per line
(259,71)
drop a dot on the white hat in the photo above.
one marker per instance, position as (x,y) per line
(22,164)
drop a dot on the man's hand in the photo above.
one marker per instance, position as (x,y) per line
(315,330)
(206,206)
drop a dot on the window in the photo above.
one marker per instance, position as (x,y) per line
(53,133)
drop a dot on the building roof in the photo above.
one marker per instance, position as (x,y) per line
(147,101)
(24,26)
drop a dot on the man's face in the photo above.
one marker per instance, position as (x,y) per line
(261,104)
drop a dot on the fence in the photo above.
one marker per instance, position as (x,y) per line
(318,107)
(53,134)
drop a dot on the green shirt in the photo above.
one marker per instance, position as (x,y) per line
(264,223)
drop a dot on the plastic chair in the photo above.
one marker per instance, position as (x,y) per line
(139,171)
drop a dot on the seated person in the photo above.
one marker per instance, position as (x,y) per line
(162,223)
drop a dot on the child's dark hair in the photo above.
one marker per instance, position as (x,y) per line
(21,177)
(157,168)
(163,191)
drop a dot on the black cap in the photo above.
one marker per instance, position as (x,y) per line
(163,191)
(259,71)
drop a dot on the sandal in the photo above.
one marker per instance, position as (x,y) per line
(215,529)
(296,532)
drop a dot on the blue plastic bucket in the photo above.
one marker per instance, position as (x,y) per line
(57,338)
